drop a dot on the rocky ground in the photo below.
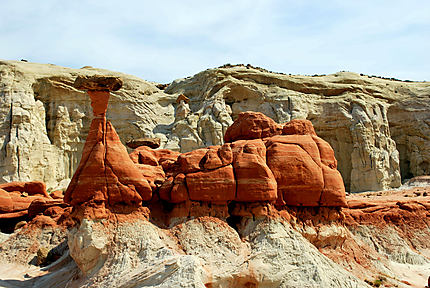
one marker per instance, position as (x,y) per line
(290,248)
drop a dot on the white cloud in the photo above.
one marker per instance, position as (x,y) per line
(163,40)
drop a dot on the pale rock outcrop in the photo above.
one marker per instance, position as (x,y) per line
(409,121)
(203,252)
(88,246)
(377,127)
(352,112)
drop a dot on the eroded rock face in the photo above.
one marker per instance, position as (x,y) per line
(48,119)
(252,125)
(153,143)
(377,127)
(31,188)
(364,119)
(88,245)
(255,180)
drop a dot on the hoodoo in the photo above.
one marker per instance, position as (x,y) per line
(106,177)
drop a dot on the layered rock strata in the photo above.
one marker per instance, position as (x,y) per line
(287,164)
(377,127)
(109,185)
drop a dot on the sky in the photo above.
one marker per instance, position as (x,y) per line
(165,40)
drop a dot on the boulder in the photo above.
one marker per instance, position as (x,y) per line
(192,161)
(153,174)
(298,127)
(153,143)
(252,125)
(299,177)
(39,206)
(304,167)
(165,189)
(6,203)
(218,156)
(98,83)
(179,192)
(57,194)
(144,155)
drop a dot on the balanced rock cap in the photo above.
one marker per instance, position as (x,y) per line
(182,97)
(98,83)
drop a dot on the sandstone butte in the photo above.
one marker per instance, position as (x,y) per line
(261,161)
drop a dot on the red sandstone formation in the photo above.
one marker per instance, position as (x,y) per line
(297,168)
(31,188)
(106,175)
(407,207)
(16,198)
(255,180)
(261,161)
(252,125)
(26,201)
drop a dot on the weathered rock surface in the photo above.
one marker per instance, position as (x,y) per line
(153,143)
(377,127)
(31,188)
(383,238)
(46,119)
(248,243)
(356,114)
(297,169)
(199,253)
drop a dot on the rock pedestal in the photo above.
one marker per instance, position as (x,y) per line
(106,176)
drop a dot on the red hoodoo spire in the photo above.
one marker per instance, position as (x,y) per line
(105,175)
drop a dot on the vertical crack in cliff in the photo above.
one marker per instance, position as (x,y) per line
(105,162)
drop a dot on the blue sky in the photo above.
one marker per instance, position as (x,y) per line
(165,40)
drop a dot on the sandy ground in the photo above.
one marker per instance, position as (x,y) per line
(411,275)
(400,194)
(17,275)
(414,275)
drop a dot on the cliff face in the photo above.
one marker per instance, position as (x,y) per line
(363,118)
(45,119)
(378,128)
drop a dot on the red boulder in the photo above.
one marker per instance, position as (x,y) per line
(252,125)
